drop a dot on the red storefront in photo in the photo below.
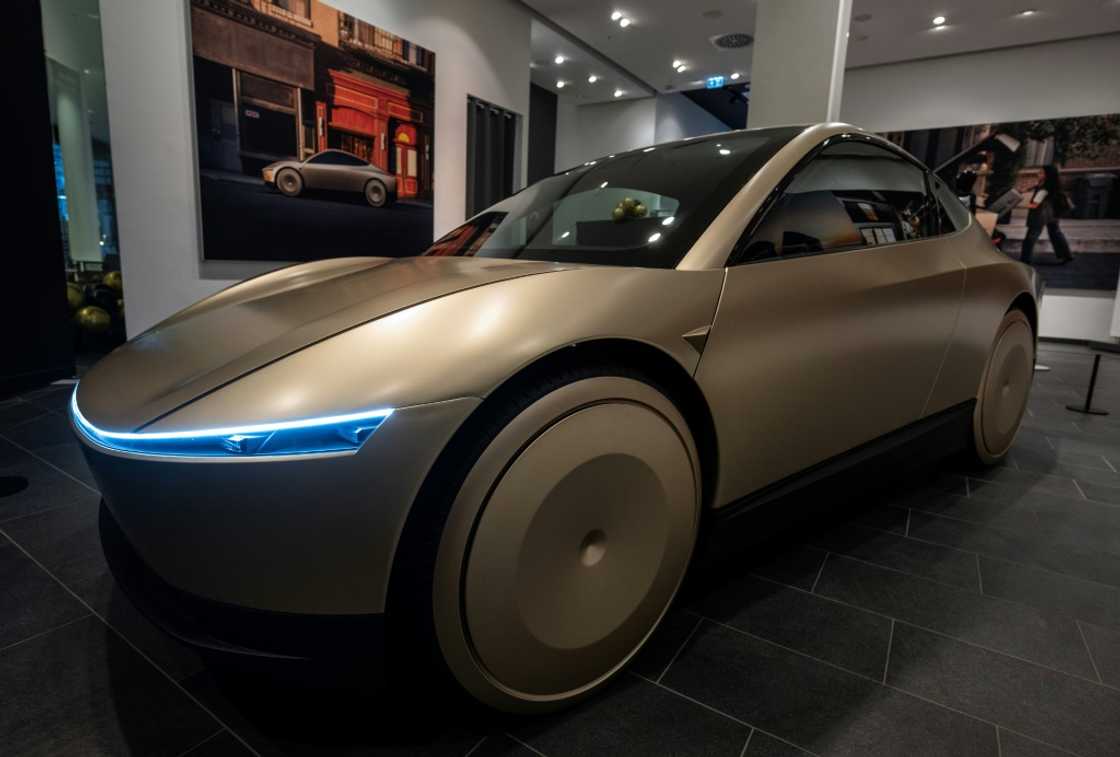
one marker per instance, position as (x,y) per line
(376,121)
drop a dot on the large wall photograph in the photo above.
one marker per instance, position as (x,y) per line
(997,167)
(314,133)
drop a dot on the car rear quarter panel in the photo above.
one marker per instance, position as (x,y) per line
(992,282)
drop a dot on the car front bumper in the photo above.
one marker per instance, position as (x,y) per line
(309,535)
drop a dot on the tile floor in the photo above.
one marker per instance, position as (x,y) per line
(967,613)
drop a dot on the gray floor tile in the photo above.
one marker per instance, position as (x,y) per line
(1104,644)
(1101,492)
(1010,627)
(795,566)
(1015,745)
(501,745)
(1028,480)
(16,412)
(277,718)
(767,746)
(81,690)
(46,430)
(1038,459)
(1028,543)
(816,706)
(635,717)
(68,456)
(893,551)
(46,488)
(978,510)
(222,745)
(1070,713)
(30,601)
(885,518)
(842,635)
(664,644)
(1074,597)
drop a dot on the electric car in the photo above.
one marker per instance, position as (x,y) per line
(507,446)
(335,171)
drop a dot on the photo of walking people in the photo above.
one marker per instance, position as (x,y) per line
(1048,190)
(314,133)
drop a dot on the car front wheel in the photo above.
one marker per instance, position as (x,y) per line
(567,539)
(289,182)
(1004,389)
(376,194)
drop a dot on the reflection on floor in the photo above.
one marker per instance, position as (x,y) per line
(967,613)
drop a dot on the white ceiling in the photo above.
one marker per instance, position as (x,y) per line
(897,30)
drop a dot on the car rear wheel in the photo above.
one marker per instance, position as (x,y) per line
(567,540)
(376,194)
(289,182)
(1004,389)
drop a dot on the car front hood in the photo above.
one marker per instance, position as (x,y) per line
(250,325)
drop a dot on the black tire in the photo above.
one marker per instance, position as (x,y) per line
(411,617)
(289,182)
(376,194)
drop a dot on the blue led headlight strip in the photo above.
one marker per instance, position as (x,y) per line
(327,434)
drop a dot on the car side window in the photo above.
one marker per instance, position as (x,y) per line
(954,214)
(851,195)
(336,159)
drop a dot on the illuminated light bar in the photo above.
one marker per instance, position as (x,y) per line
(309,436)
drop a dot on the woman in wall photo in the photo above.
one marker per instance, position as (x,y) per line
(1048,203)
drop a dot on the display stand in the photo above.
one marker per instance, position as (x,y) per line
(1098,348)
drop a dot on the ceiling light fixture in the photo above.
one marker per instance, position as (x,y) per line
(560,84)
(618,93)
(677,63)
(939,20)
(1026,12)
(559,59)
(624,22)
(616,15)
(735,76)
(682,68)
(592,79)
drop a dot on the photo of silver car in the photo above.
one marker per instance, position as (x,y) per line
(333,171)
(506,450)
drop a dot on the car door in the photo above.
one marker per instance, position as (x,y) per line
(327,170)
(838,307)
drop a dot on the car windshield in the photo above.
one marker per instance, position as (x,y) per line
(641,208)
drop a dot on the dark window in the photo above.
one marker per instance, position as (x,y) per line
(640,208)
(954,214)
(852,195)
(335,159)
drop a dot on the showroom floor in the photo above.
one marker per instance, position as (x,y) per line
(959,615)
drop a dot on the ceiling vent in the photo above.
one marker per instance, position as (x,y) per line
(733,41)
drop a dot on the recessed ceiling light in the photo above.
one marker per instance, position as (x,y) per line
(592,79)
(616,15)
(939,20)
(1026,12)
(682,68)
(560,84)
(618,93)
(559,59)
(677,63)
(735,76)
(624,22)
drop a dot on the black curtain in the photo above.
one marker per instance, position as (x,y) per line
(542,133)
(491,146)
(38,339)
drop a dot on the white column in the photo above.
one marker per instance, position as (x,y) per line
(76,143)
(797,69)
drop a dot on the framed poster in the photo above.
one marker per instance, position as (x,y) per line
(314,133)
(1001,169)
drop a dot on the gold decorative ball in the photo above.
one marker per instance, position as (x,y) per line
(93,319)
(628,204)
(113,280)
(74,296)
(640,210)
(618,213)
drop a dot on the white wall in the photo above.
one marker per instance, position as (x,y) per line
(482,49)
(1054,79)
(1068,78)
(584,132)
(678,117)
